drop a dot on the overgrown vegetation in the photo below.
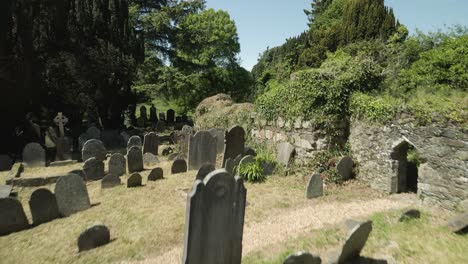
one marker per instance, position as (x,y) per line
(251,172)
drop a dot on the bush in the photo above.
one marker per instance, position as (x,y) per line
(251,172)
(374,108)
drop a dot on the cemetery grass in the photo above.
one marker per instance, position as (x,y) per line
(424,240)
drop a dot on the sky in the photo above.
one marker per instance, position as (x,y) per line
(268,23)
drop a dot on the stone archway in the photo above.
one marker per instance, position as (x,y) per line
(405,179)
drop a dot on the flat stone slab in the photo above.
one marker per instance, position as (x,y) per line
(459,224)
(33,182)
(5,191)
(62,163)
(302,258)
(93,237)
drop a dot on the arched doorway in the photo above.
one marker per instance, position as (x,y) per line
(407,162)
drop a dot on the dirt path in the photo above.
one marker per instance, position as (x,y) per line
(292,223)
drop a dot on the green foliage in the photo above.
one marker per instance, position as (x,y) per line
(251,172)
(374,108)
(413,156)
(325,163)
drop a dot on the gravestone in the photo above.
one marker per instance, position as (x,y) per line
(117,164)
(231,164)
(345,168)
(162,117)
(151,143)
(5,191)
(64,149)
(184,137)
(156,174)
(134,160)
(354,243)
(204,170)
(134,180)
(79,173)
(134,141)
(184,118)
(141,121)
(60,120)
(153,115)
(93,148)
(93,237)
(179,166)
(219,134)
(125,136)
(82,140)
(202,149)
(170,115)
(93,133)
(71,194)
(285,153)
(43,206)
(215,206)
(34,155)
(160,126)
(143,112)
(5,163)
(314,187)
(410,214)
(110,181)
(12,216)
(235,143)
(302,258)
(167,150)
(459,224)
(249,151)
(150,159)
(93,169)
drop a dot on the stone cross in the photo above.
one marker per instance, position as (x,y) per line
(61,120)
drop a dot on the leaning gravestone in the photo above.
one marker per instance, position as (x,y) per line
(302,258)
(204,170)
(93,148)
(43,206)
(5,163)
(34,155)
(134,141)
(72,195)
(110,181)
(134,180)
(170,116)
(93,169)
(150,159)
(345,168)
(151,143)
(93,237)
(179,166)
(235,143)
(215,206)
(314,187)
(156,174)
(219,134)
(117,164)
(134,160)
(354,244)
(285,152)
(12,216)
(202,149)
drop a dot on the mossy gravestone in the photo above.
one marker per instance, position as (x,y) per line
(71,194)
(215,220)
(43,206)
(12,216)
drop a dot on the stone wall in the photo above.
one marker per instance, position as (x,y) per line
(442,148)
(307,139)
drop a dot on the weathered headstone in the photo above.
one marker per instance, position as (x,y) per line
(93,237)
(410,214)
(354,243)
(134,180)
(231,164)
(302,258)
(143,112)
(235,143)
(150,159)
(93,148)
(79,173)
(34,155)
(184,137)
(285,152)
(60,120)
(153,115)
(314,187)
(43,206)
(215,206)
(93,133)
(179,166)
(12,216)
(5,163)
(134,141)
(151,143)
(82,140)
(141,121)
(110,181)
(134,160)
(117,164)
(5,191)
(64,149)
(156,174)
(345,168)
(72,195)
(219,134)
(202,149)
(170,116)
(459,224)
(204,170)
(93,169)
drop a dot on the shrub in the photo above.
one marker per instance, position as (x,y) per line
(251,172)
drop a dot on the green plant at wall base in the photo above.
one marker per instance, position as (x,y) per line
(374,108)
(251,172)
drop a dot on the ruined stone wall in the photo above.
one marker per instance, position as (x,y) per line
(443,149)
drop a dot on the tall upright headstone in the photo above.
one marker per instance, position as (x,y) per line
(151,143)
(134,159)
(183,140)
(215,206)
(219,134)
(170,116)
(235,143)
(143,112)
(72,194)
(117,164)
(153,114)
(285,153)
(93,148)
(34,155)
(202,149)
(134,141)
